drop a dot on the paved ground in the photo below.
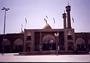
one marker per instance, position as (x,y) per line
(44,58)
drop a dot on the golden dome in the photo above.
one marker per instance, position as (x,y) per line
(47,26)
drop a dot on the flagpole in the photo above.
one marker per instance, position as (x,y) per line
(45,20)
(73,21)
(25,22)
(54,22)
(21,27)
(5,9)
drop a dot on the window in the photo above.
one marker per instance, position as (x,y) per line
(70,46)
(28,47)
(70,37)
(28,37)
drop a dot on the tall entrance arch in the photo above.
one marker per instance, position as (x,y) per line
(6,46)
(48,43)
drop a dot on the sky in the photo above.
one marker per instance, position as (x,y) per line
(36,10)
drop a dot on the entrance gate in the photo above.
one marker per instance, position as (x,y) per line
(48,43)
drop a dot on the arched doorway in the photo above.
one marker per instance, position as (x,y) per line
(6,45)
(18,45)
(28,47)
(89,44)
(48,43)
(80,44)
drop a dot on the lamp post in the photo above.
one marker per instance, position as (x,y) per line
(5,9)
(57,47)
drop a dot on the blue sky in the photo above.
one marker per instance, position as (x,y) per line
(36,10)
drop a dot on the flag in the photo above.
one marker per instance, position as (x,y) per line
(25,20)
(21,27)
(45,20)
(54,20)
(46,17)
(73,19)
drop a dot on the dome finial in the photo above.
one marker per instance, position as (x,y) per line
(45,20)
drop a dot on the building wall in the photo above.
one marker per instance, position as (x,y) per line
(20,43)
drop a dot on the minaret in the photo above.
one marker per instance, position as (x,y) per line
(68,9)
(64,19)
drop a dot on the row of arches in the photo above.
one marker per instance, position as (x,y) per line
(81,44)
(16,42)
(17,45)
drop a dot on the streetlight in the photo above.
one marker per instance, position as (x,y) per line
(57,47)
(5,9)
